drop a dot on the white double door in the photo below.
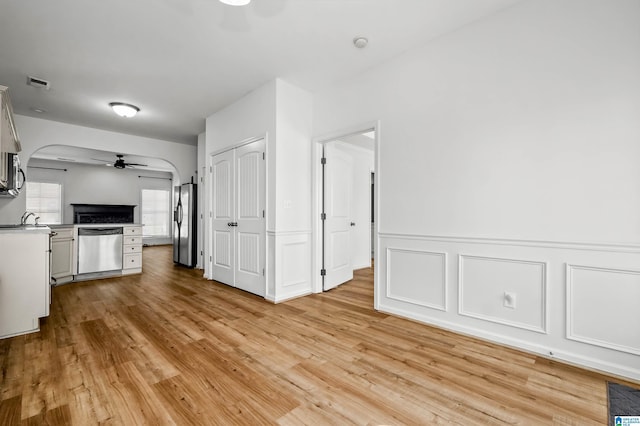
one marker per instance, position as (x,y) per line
(238,217)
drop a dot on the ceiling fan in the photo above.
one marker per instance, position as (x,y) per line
(121,164)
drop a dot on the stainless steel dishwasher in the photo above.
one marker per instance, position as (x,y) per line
(99,249)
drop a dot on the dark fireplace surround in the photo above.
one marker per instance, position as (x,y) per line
(102,213)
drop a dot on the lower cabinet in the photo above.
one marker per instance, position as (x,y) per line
(25,292)
(62,255)
(132,249)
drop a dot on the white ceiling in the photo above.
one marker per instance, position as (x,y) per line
(182,60)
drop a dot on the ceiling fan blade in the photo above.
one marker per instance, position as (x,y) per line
(102,161)
(135,164)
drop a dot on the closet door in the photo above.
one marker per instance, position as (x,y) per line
(222,218)
(238,217)
(250,216)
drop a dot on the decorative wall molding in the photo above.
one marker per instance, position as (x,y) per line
(535,266)
(290,276)
(572,245)
(292,256)
(614,324)
(538,347)
(441,275)
(501,280)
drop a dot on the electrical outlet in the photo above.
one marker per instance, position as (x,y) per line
(509,300)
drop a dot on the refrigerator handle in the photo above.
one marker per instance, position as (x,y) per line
(177,214)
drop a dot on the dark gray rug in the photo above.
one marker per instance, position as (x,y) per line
(623,401)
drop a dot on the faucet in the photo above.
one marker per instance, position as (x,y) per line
(25,216)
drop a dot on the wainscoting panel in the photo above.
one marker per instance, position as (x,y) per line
(417,277)
(584,315)
(293,265)
(507,291)
(603,307)
(295,257)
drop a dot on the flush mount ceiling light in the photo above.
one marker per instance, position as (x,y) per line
(124,110)
(236,2)
(360,42)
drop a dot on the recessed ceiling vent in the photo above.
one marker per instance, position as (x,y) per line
(38,82)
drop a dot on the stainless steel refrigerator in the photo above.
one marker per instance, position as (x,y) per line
(184,225)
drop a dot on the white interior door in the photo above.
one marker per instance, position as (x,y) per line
(250,212)
(338,172)
(222,218)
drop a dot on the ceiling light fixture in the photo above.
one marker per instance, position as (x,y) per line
(360,42)
(236,2)
(124,110)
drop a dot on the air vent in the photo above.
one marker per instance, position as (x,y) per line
(38,82)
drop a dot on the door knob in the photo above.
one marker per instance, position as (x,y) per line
(353,224)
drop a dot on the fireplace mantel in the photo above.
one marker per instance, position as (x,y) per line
(102,213)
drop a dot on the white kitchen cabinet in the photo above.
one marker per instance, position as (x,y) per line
(25,293)
(62,247)
(9,141)
(131,249)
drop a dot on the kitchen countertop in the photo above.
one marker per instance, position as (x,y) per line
(104,225)
(10,229)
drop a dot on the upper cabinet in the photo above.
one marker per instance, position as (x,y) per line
(9,141)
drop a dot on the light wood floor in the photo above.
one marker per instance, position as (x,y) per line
(168,347)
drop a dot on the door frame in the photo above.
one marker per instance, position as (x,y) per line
(316,197)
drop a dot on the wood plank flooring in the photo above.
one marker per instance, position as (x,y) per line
(169,347)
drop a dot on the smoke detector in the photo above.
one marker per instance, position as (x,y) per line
(360,42)
(38,82)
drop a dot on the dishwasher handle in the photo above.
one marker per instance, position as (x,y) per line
(100,231)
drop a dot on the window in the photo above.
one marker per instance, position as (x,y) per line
(156,213)
(45,200)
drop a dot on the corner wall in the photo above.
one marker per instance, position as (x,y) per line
(508,164)
(281,113)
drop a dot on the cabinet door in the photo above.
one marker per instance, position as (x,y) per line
(61,258)
(24,281)
(8,136)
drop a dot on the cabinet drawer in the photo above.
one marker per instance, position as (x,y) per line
(132,230)
(136,248)
(62,234)
(128,239)
(133,260)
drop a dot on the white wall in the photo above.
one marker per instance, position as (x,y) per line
(293,157)
(523,125)
(514,138)
(36,133)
